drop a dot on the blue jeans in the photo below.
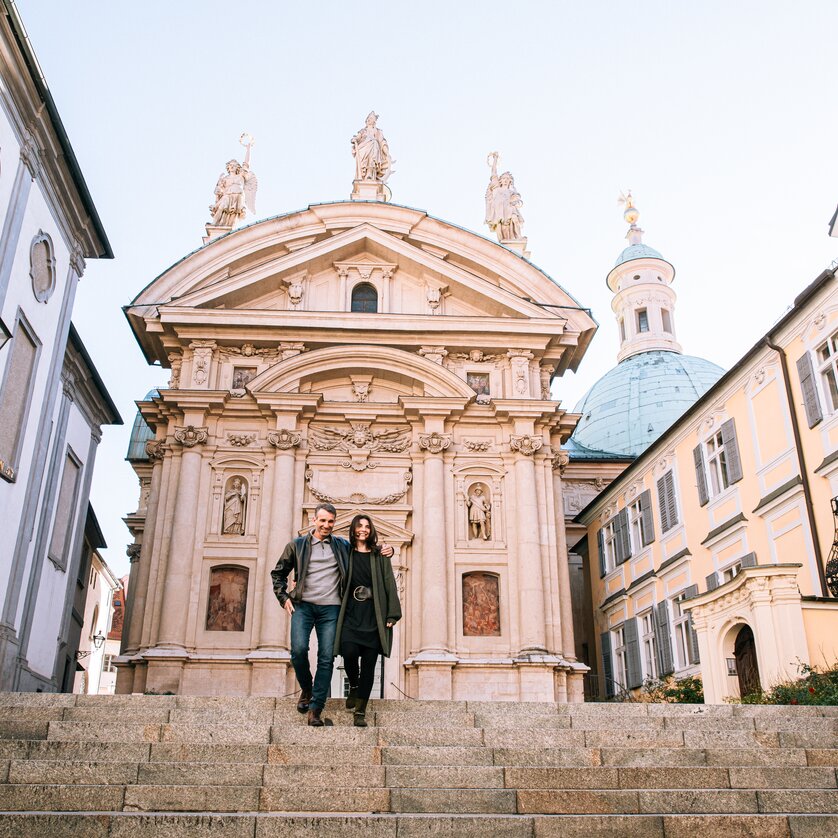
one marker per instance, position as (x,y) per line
(323,619)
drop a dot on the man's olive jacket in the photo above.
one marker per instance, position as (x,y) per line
(296,557)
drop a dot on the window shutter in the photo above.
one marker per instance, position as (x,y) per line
(607,668)
(647,523)
(748,560)
(734,461)
(634,676)
(670,499)
(663,507)
(712,581)
(700,476)
(600,543)
(693,644)
(808,386)
(691,591)
(623,535)
(663,634)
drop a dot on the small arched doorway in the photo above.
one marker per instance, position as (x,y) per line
(745,653)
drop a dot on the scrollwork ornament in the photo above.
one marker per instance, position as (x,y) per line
(284,439)
(434,443)
(133,552)
(560,460)
(190,436)
(526,444)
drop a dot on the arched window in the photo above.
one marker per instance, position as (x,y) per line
(364,298)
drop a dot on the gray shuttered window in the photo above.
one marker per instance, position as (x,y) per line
(663,635)
(748,560)
(647,524)
(667,508)
(712,581)
(623,537)
(600,544)
(734,461)
(607,666)
(700,475)
(809,387)
(692,591)
(634,674)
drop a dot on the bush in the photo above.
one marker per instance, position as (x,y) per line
(673,690)
(813,687)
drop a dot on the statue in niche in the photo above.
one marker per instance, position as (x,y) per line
(503,203)
(371,152)
(479,513)
(227,603)
(235,507)
(235,192)
(481,605)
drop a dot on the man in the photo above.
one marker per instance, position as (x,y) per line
(319,561)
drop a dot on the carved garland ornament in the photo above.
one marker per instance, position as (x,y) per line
(526,444)
(434,443)
(241,440)
(191,436)
(284,439)
(360,497)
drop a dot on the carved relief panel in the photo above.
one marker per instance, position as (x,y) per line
(481,604)
(227,600)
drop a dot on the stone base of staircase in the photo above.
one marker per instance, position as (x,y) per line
(232,767)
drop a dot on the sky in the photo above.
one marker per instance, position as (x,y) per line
(719,116)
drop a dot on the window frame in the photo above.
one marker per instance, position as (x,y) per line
(619,661)
(828,363)
(365,284)
(641,318)
(680,631)
(648,644)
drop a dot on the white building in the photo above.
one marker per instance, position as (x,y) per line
(52,401)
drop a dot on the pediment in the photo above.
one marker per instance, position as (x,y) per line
(321,276)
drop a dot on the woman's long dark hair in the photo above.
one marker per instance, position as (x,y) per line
(372,541)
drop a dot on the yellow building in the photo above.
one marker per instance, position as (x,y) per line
(712,546)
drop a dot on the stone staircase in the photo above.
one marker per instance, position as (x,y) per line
(138,766)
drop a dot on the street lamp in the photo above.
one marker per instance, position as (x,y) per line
(98,642)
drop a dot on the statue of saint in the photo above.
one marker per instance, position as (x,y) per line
(235,192)
(371,152)
(479,513)
(503,203)
(235,503)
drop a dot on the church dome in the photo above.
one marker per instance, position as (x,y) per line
(140,434)
(636,401)
(637,251)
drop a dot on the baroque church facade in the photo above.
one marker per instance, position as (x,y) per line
(374,357)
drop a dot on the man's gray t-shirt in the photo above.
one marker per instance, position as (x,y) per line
(322,581)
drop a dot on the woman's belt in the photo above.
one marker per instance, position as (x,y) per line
(362,594)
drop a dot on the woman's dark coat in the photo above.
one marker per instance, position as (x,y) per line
(385,597)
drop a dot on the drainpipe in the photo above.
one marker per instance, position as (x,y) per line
(804,473)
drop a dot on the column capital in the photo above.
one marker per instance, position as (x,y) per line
(134,552)
(526,444)
(434,443)
(156,449)
(190,436)
(284,439)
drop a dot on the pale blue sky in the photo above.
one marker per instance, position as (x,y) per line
(720,117)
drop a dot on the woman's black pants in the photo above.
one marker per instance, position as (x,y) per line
(353,654)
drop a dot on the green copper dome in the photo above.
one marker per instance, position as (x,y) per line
(634,403)
(140,434)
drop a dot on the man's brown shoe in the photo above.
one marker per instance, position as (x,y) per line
(302,704)
(314,719)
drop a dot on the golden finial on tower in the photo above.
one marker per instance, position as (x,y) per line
(631,213)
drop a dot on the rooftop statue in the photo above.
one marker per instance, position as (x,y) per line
(503,202)
(235,192)
(371,153)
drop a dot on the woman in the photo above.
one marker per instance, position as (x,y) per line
(369,609)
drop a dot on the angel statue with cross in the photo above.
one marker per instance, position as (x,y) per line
(235,192)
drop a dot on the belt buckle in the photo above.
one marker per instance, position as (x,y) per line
(363,594)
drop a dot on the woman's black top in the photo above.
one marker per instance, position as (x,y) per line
(359,625)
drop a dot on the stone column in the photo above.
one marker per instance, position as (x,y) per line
(274,629)
(530,577)
(559,462)
(178,583)
(141,565)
